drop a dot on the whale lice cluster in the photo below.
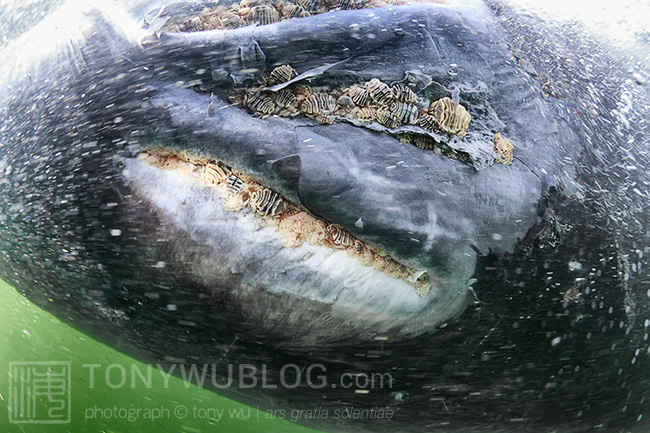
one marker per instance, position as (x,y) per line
(372,101)
(239,191)
(391,106)
(503,149)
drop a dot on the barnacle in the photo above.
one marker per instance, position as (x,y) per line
(234,185)
(287,103)
(195,24)
(425,142)
(302,91)
(342,4)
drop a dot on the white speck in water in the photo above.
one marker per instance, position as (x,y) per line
(497,236)
(159,265)
(118,119)
(172,307)
(575,266)
(116,232)
(359,223)
(639,78)
(556,341)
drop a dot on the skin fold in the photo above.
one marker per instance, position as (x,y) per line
(537,309)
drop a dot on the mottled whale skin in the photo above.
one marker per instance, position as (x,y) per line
(552,335)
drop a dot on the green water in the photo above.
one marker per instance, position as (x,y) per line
(31,334)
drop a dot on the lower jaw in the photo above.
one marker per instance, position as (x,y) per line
(290,282)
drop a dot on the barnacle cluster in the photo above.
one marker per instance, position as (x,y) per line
(372,101)
(297,226)
(248,12)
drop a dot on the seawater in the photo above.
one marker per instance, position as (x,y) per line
(109,391)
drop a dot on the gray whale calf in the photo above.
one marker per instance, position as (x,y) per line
(499,297)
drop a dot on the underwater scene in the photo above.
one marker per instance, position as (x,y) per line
(324,216)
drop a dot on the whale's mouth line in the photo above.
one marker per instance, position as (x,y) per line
(239,192)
